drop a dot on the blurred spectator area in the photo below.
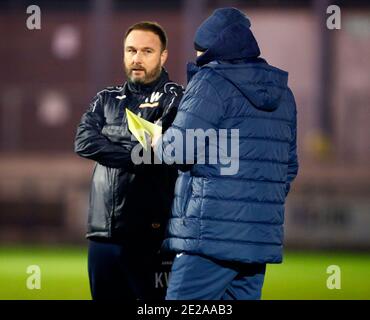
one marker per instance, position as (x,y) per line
(49,76)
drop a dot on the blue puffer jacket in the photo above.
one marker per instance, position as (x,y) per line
(236,217)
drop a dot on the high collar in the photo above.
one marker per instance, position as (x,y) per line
(139,88)
(193,68)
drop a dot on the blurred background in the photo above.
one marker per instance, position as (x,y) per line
(49,76)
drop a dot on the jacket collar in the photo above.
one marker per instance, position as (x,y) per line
(193,68)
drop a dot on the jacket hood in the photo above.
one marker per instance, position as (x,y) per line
(225,35)
(263,85)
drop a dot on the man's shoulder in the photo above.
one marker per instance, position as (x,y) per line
(111,90)
(206,77)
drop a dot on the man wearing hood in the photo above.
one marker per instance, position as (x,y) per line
(225,228)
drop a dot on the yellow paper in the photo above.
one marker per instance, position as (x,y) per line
(139,126)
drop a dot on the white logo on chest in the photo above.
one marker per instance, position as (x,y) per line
(154,97)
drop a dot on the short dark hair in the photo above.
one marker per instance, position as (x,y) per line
(150,26)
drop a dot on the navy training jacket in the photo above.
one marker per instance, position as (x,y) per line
(237,217)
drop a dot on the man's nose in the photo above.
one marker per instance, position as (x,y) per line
(137,58)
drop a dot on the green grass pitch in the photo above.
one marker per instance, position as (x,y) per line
(300,276)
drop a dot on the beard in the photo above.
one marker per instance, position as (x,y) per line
(148,77)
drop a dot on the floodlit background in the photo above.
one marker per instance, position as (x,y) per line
(48,77)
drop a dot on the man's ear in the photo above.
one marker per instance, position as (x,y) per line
(164,56)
